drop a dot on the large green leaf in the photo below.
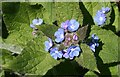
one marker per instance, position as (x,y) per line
(110,44)
(18,20)
(67,10)
(86,58)
(34,59)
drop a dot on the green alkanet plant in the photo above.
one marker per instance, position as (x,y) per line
(68,38)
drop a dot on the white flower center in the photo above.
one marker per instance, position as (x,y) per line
(72,49)
(72,26)
(103,11)
(50,44)
(62,36)
(101,18)
(56,51)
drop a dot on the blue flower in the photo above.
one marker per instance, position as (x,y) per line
(100,18)
(71,52)
(73,25)
(59,35)
(94,42)
(48,44)
(55,53)
(105,10)
(64,25)
(37,21)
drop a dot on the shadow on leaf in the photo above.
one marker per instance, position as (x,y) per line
(10,7)
(37,6)
(102,67)
(4,30)
(87,18)
(69,68)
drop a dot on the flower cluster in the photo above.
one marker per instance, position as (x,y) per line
(67,36)
(101,17)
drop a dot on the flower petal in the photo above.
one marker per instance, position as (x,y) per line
(76,53)
(32,26)
(59,34)
(37,21)
(48,44)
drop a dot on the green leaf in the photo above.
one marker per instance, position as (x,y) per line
(110,44)
(49,12)
(34,59)
(48,30)
(86,58)
(82,32)
(90,73)
(92,8)
(114,70)
(11,48)
(67,10)
(6,57)
(1,73)
(18,21)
